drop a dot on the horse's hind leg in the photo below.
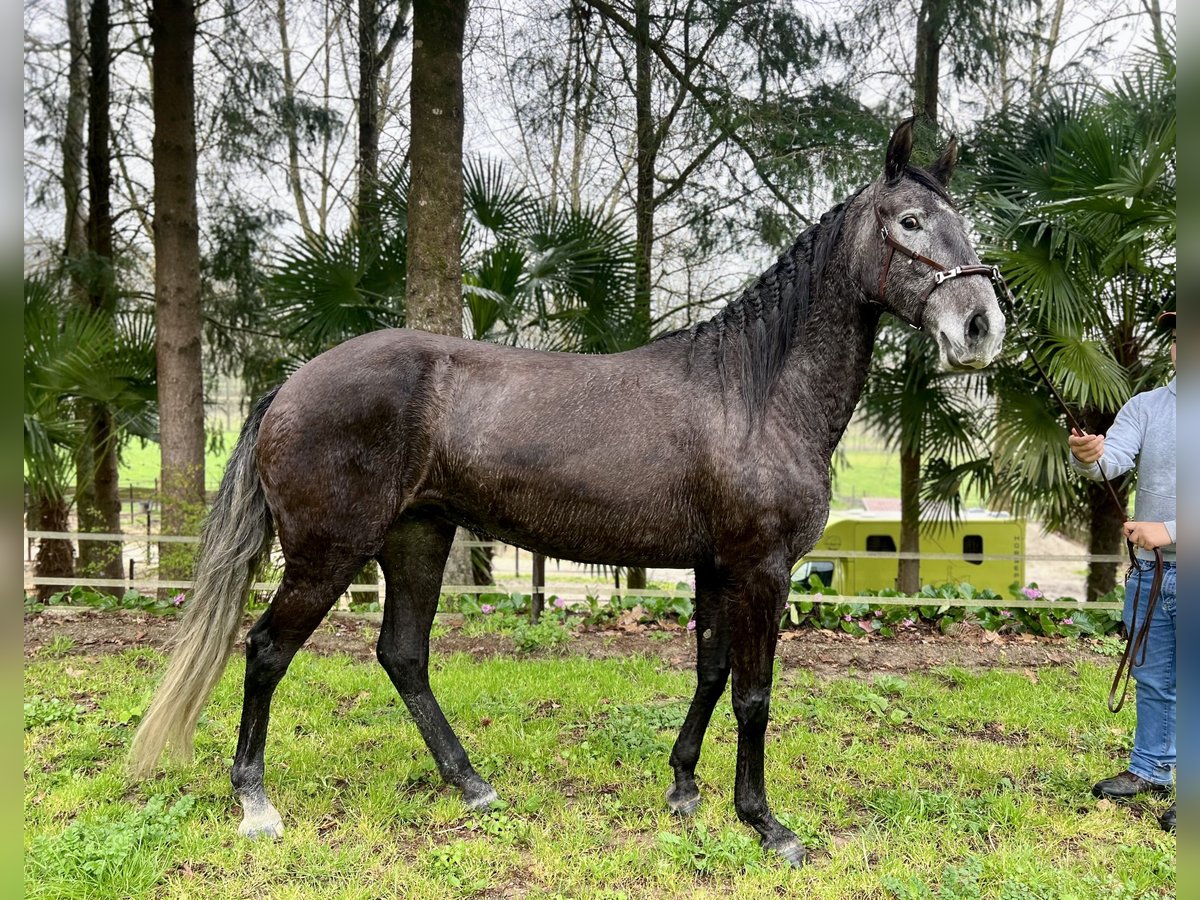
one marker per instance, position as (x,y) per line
(712,672)
(413,559)
(304,597)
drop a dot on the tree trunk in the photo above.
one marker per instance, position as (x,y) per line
(372,57)
(96,498)
(55,558)
(644,202)
(368,118)
(97,501)
(433,293)
(1105,536)
(908,579)
(75,218)
(927,64)
(435,204)
(177,280)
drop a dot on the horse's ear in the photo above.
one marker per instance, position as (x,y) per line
(899,150)
(943,169)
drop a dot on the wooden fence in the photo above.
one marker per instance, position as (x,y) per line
(571,592)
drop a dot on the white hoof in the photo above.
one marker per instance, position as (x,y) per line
(263,822)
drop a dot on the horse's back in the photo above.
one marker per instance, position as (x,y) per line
(577,453)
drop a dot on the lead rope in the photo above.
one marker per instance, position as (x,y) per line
(1135,643)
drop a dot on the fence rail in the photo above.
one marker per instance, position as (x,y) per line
(822,554)
(578,593)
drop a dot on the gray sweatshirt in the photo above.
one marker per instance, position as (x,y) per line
(1143,434)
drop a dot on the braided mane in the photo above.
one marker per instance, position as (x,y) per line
(750,338)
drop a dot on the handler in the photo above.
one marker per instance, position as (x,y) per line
(1143,433)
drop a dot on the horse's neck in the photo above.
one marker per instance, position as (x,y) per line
(827,369)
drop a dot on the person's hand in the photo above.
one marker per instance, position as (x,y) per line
(1087,447)
(1147,535)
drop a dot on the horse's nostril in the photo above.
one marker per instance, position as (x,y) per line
(977,327)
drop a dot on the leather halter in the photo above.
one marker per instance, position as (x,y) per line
(941,274)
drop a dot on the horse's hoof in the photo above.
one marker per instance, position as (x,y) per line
(683,803)
(262,827)
(482,797)
(789,848)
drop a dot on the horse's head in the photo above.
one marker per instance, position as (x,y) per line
(927,272)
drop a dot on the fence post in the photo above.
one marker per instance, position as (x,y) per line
(537,600)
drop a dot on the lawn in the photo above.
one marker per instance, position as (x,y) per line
(942,784)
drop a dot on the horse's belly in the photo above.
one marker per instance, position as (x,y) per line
(622,526)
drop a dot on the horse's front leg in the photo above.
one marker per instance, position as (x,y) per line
(754,625)
(712,671)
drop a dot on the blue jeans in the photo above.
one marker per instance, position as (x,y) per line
(1154,739)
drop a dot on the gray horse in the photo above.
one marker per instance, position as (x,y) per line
(708,448)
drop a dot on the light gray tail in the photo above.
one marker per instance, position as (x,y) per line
(235,541)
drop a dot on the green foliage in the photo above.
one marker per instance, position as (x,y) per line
(887,619)
(701,850)
(104,859)
(73,353)
(547,634)
(43,711)
(80,595)
(1076,198)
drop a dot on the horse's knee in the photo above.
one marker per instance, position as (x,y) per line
(752,707)
(410,675)
(266,660)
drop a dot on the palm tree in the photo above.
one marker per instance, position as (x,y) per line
(75,354)
(1078,202)
(932,419)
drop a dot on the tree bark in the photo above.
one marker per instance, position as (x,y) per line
(96,498)
(371,59)
(433,292)
(908,578)
(930,22)
(177,278)
(55,559)
(75,218)
(435,206)
(1105,536)
(644,201)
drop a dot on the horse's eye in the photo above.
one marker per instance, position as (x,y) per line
(910,223)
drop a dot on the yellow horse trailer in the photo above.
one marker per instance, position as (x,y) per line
(839,559)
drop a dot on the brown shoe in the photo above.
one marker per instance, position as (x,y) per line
(1126,786)
(1168,819)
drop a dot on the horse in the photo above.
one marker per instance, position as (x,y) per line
(707,448)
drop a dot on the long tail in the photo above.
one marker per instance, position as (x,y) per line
(235,540)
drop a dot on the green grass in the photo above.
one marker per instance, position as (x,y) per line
(141,462)
(948,785)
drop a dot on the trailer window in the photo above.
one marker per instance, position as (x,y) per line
(973,543)
(880,543)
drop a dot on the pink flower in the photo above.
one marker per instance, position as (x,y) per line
(178,599)
(908,623)
(878,613)
(560,603)
(847,618)
(1068,621)
(1032,593)
(691,625)
(487,608)
(1006,613)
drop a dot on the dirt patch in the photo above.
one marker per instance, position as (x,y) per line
(826,653)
